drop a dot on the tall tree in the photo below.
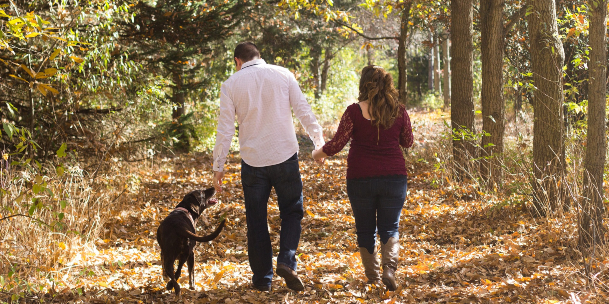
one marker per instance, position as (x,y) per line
(446,71)
(436,70)
(591,228)
(402,60)
(171,35)
(431,63)
(547,57)
(462,108)
(493,107)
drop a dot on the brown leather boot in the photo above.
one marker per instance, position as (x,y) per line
(389,253)
(371,265)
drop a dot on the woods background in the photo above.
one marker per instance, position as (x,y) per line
(508,99)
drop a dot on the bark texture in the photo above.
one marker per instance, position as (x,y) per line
(178,95)
(436,71)
(493,106)
(462,108)
(431,64)
(591,229)
(402,60)
(547,57)
(446,72)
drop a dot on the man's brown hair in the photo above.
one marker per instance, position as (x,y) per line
(246,51)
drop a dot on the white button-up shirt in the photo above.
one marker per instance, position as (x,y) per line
(262,96)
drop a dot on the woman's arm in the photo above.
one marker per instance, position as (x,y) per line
(340,139)
(406,137)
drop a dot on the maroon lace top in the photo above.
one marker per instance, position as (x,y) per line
(374,151)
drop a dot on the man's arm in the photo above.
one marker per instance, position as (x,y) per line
(303,112)
(224,136)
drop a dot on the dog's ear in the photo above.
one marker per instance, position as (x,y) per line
(192,199)
(209,192)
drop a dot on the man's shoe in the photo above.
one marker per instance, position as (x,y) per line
(290,277)
(262,288)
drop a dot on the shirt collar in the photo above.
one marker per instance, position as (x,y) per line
(253,62)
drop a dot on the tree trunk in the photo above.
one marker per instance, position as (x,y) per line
(430,66)
(325,68)
(493,107)
(436,70)
(547,56)
(462,108)
(315,65)
(402,73)
(178,95)
(592,230)
(446,74)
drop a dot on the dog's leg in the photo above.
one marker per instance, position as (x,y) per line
(168,267)
(191,270)
(181,260)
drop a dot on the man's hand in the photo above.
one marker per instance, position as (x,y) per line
(218,177)
(319,156)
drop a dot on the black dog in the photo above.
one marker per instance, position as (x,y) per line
(177,236)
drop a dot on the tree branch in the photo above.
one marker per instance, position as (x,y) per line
(364,35)
(514,18)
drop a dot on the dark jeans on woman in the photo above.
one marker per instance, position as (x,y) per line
(377,203)
(257,184)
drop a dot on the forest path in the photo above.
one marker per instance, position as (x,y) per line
(458,245)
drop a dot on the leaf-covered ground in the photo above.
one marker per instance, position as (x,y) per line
(459,245)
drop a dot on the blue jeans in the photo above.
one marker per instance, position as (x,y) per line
(377,203)
(257,184)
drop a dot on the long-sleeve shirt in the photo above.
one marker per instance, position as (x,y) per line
(374,151)
(262,96)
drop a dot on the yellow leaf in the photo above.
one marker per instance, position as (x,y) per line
(17,77)
(50,71)
(77,59)
(42,90)
(218,276)
(49,88)
(55,54)
(32,35)
(30,72)
(103,284)
(61,245)
(310,213)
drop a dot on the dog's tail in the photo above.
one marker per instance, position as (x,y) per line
(206,238)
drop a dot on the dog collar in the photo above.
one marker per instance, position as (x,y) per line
(192,221)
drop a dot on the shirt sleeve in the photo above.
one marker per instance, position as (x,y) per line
(225,131)
(303,112)
(406,137)
(342,136)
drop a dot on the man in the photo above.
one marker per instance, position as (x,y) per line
(263,96)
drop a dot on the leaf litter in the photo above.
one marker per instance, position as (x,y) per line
(457,246)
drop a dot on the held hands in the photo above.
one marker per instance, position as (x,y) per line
(218,177)
(319,155)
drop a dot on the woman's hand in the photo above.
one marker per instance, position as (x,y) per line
(319,155)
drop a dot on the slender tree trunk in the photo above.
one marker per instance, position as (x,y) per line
(436,70)
(369,55)
(178,94)
(462,91)
(430,65)
(493,107)
(325,68)
(446,74)
(402,60)
(547,57)
(315,66)
(517,101)
(591,228)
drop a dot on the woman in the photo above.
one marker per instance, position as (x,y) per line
(376,171)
